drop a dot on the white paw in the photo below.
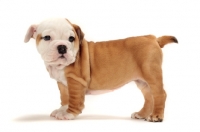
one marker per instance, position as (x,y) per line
(61,113)
(136,116)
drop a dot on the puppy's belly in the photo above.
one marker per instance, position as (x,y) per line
(97,92)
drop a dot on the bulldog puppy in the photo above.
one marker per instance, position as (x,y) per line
(83,67)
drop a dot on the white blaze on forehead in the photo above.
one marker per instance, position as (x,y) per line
(59,24)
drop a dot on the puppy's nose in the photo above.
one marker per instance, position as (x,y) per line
(62,49)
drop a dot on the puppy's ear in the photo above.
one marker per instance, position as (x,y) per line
(78,32)
(30,33)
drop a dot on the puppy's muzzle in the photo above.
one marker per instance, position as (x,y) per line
(62,49)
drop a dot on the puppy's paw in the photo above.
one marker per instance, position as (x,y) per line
(62,109)
(61,114)
(136,116)
(155,118)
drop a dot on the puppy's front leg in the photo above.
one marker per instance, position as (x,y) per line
(64,96)
(76,97)
(72,100)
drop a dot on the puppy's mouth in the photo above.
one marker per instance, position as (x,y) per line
(62,56)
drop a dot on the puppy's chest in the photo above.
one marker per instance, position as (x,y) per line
(57,74)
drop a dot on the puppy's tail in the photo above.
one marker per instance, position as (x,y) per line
(163,40)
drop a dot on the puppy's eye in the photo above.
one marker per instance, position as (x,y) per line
(46,38)
(71,39)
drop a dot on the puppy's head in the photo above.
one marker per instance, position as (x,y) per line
(57,40)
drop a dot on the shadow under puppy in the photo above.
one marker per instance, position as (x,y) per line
(81,67)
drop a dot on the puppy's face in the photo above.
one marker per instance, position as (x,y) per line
(57,41)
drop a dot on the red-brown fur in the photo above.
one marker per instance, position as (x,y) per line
(111,64)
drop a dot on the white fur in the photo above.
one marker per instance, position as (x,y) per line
(57,74)
(136,116)
(62,114)
(59,30)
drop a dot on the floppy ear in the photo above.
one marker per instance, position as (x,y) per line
(30,33)
(78,32)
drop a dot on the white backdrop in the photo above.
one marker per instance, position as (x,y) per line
(28,95)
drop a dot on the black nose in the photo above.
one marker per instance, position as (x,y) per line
(62,49)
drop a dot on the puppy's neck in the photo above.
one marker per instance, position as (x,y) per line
(57,73)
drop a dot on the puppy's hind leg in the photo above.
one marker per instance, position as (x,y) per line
(154,79)
(148,104)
